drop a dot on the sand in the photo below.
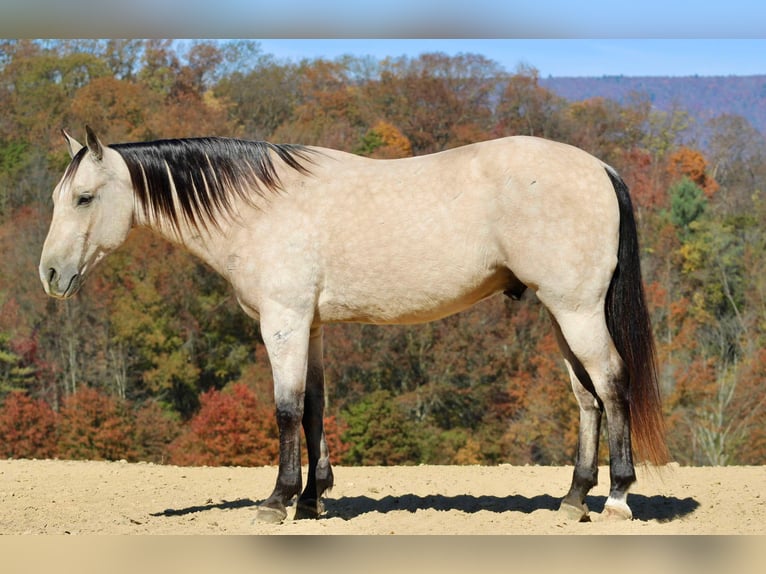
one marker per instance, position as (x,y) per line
(77,497)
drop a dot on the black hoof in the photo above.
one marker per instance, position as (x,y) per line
(308,509)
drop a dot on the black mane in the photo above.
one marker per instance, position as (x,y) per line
(207,173)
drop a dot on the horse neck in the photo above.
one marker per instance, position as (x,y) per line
(207,243)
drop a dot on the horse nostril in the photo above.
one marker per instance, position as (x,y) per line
(51,275)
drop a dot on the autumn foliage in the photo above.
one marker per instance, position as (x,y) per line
(90,425)
(231,428)
(384,141)
(155,361)
(94,426)
(27,427)
(686,162)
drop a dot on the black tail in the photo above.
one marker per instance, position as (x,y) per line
(627,318)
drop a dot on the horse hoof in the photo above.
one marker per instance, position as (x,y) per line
(308,509)
(574,513)
(619,511)
(269,515)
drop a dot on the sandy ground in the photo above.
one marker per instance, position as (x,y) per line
(73,497)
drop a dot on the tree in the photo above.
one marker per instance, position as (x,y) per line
(736,152)
(154,430)
(40,83)
(526,108)
(327,108)
(14,158)
(687,204)
(600,127)
(715,412)
(122,57)
(95,426)
(385,141)
(153,329)
(150,297)
(690,163)
(27,427)
(231,428)
(261,101)
(15,373)
(120,110)
(542,425)
(379,433)
(716,399)
(437,101)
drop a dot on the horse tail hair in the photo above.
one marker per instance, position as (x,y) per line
(627,318)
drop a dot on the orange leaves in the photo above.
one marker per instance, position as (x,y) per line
(636,167)
(334,428)
(231,428)
(237,427)
(94,426)
(543,426)
(27,427)
(122,110)
(384,140)
(117,109)
(692,164)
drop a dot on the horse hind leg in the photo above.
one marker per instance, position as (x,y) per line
(585,475)
(600,385)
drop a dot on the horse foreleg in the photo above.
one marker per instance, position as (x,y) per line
(286,336)
(320,477)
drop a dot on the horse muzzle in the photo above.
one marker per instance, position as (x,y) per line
(60,283)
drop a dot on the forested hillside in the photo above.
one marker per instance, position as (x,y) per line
(704,97)
(153,360)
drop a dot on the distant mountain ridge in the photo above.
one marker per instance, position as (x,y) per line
(704,97)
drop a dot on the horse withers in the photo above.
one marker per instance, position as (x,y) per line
(308,236)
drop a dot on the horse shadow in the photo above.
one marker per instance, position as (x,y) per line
(659,508)
(224,505)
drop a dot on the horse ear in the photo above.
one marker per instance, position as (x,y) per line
(72,144)
(94,145)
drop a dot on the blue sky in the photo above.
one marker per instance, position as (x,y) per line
(558,37)
(557,57)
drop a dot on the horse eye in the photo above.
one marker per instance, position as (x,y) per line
(84,199)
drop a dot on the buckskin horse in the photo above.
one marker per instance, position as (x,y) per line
(308,236)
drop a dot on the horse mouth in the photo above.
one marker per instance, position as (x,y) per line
(74,286)
(54,284)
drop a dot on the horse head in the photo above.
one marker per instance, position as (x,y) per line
(92,215)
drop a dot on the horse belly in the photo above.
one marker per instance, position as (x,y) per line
(414,296)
